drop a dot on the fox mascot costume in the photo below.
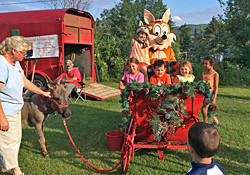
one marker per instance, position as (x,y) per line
(159,38)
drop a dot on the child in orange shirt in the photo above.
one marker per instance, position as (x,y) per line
(160,77)
(213,78)
(186,72)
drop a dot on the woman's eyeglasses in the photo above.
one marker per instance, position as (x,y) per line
(24,53)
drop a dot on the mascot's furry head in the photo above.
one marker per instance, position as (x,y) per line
(159,30)
(142,29)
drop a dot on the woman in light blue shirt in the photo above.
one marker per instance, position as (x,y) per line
(12,81)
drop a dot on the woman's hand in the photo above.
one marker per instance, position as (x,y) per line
(46,94)
(4,124)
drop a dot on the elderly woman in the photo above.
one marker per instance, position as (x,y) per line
(12,82)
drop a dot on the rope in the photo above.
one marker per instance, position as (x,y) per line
(122,156)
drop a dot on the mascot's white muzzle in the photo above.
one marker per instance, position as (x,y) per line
(160,39)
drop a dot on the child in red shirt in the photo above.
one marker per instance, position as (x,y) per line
(160,77)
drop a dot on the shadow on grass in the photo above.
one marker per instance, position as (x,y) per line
(169,154)
(87,127)
(237,159)
(234,97)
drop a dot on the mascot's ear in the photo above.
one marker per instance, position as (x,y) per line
(140,24)
(148,17)
(166,15)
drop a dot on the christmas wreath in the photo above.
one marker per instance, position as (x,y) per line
(170,111)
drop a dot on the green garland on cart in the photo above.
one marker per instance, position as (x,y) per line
(212,110)
(169,115)
(171,106)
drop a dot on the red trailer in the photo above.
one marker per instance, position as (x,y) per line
(56,35)
(71,31)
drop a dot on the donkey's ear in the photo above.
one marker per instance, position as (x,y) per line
(50,83)
(63,80)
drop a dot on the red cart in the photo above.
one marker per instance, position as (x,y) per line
(142,110)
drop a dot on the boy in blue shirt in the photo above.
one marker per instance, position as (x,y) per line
(203,143)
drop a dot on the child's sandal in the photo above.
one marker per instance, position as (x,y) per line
(216,124)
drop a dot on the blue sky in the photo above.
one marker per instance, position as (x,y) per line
(182,11)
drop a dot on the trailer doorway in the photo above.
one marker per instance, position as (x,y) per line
(81,57)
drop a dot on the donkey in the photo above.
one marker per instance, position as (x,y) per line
(36,108)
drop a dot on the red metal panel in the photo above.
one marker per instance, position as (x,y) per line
(70,19)
(85,36)
(85,22)
(29,17)
(71,34)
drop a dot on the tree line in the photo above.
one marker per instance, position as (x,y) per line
(225,36)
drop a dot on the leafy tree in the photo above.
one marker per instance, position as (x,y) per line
(214,37)
(185,39)
(176,48)
(237,21)
(116,28)
(77,4)
(199,45)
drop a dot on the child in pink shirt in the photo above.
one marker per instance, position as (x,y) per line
(132,74)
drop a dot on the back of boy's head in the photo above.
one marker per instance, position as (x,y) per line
(211,60)
(188,64)
(204,139)
(159,63)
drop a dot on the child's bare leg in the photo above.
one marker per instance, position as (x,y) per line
(204,111)
(215,119)
(144,70)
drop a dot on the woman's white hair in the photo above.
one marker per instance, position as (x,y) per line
(18,43)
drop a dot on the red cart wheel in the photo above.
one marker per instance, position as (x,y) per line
(126,160)
(128,145)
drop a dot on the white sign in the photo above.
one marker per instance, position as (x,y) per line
(44,46)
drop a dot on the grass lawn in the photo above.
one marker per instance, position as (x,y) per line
(90,121)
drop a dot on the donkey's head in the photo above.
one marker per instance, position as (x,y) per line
(59,99)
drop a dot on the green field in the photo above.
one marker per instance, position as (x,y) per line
(90,121)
